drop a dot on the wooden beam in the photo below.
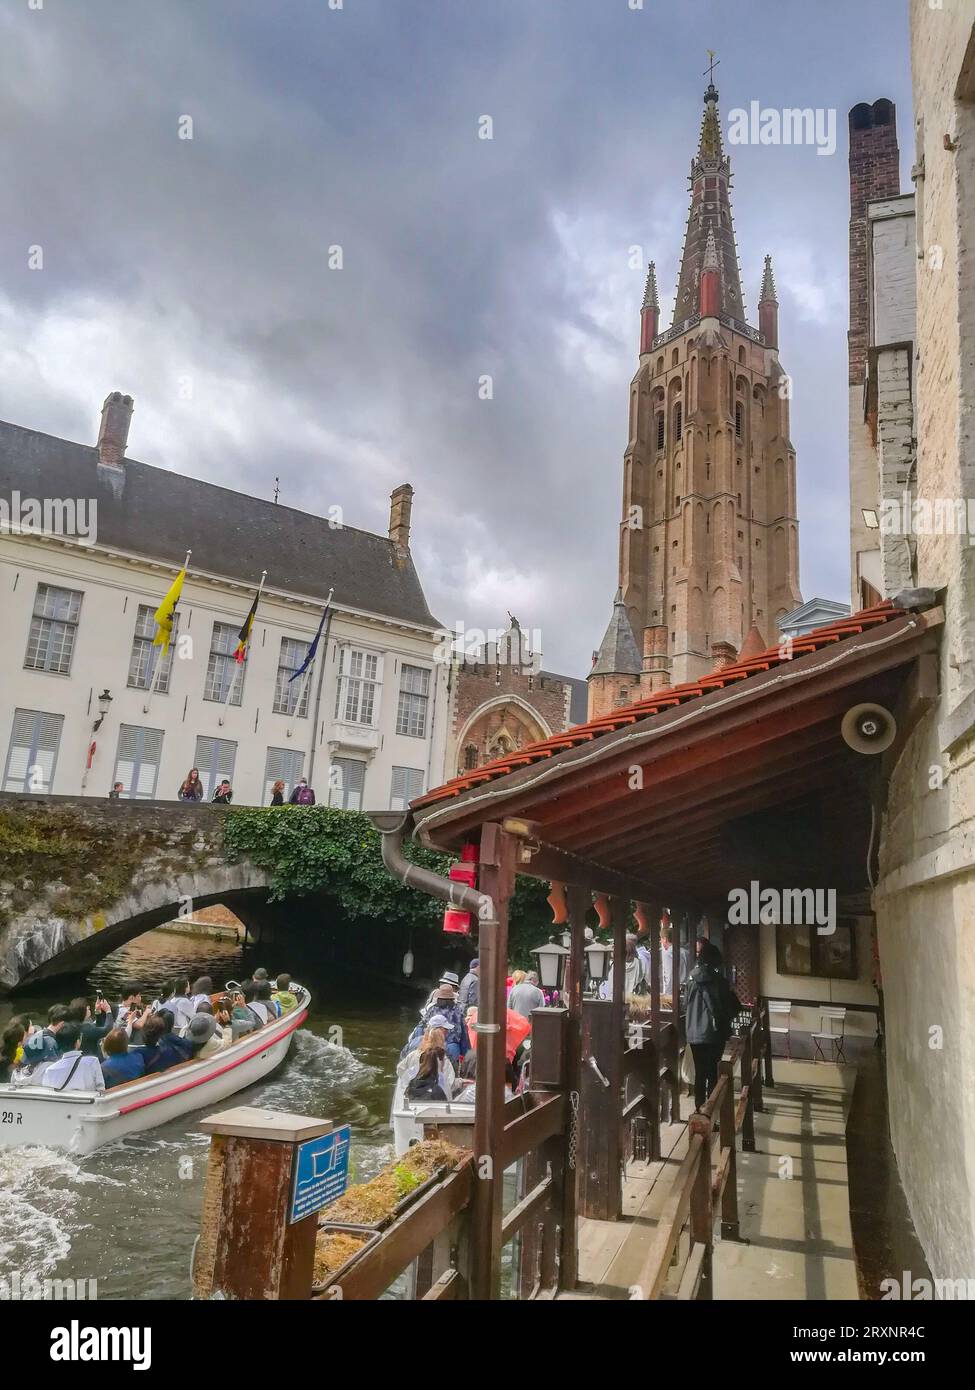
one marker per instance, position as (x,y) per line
(532,1129)
(530,1205)
(450,1286)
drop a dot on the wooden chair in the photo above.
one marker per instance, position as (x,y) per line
(832,1026)
(780,1021)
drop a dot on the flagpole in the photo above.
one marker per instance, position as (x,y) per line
(233,676)
(154,682)
(306,680)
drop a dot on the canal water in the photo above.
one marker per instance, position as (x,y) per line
(128,1214)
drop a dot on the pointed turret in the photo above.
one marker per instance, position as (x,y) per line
(768,307)
(753,645)
(710,213)
(618,654)
(650,313)
(615,676)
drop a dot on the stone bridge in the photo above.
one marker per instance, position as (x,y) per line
(80,877)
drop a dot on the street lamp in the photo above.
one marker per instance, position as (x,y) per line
(567,938)
(104,701)
(597,962)
(551,964)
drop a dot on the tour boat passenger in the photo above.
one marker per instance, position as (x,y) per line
(202,1036)
(257,995)
(431,1082)
(283,995)
(10,1047)
(121,1063)
(177,1001)
(163,1048)
(201,991)
(434,1037)
(81,1030)
(75,1071)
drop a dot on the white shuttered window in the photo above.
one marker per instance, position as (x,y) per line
(137,761)
(33,753)
(406,784)
(282,765)
(215,759)
(346,779)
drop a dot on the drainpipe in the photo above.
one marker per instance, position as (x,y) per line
(392,827)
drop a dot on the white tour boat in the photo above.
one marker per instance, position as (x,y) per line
(80,1121)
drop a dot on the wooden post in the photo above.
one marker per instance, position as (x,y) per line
(702,1212)
(248,1249)
(755,1029)
(599,1156)
(729,1143)
(748,1122)
(579,901)
(496,880)
(766,1040)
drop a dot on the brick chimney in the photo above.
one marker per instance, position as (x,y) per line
(723,654)
(400,512)
(114,433)
(874,173)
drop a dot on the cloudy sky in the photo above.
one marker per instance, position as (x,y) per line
(194,273)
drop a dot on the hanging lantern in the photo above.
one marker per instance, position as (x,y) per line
(551,964)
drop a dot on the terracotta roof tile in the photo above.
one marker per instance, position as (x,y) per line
(665,699)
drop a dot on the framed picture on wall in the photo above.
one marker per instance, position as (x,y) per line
(803,951)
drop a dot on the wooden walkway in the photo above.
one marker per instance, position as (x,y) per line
(793,1202)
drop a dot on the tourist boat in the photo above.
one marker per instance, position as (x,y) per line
(81,1121)
(408,1119)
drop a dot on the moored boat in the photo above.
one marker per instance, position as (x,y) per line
(81,1121)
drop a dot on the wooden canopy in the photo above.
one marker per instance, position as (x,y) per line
(741,775)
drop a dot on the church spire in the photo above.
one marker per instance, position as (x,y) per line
(768,307)
(710,215)
(650,313)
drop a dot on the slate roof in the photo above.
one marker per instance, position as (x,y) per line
(667,698)
(158,514)
(618,654)
(578,695)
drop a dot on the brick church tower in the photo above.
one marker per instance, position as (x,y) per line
(709,549)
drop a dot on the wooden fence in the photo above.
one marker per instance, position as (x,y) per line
(706,1182)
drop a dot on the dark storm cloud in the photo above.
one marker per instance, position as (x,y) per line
(205,262)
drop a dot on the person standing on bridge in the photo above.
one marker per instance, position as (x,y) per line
(192,788)
(303,794)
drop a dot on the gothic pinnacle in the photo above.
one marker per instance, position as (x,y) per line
(768,295)
(650,300)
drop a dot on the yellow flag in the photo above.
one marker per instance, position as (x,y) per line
(166,612)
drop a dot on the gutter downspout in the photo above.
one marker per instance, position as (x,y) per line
(392,827)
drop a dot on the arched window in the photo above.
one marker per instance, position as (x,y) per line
(470,757)
(678,422)
(660,430)
(739,419)
(741,354)
(675,359)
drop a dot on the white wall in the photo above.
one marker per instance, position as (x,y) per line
(846,992)
(113,588)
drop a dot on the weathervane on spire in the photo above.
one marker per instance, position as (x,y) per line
(709,73)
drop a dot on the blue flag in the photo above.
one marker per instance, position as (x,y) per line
(314,645)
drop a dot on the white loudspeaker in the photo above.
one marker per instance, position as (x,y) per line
(868,728)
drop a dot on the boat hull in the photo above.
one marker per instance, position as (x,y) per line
(82,1121)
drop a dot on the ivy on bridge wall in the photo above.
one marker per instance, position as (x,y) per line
(322,849)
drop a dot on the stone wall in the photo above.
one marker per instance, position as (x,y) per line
(925,898)
(80,877)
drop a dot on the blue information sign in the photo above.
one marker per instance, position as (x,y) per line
(321,1172)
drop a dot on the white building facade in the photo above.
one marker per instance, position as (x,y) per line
(366,725)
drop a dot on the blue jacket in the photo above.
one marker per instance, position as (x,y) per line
(169,1051)
(125,1067)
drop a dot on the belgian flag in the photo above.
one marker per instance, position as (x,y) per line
(244,635)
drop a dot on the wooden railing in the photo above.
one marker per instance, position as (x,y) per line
(706,1182)
(434,1231)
